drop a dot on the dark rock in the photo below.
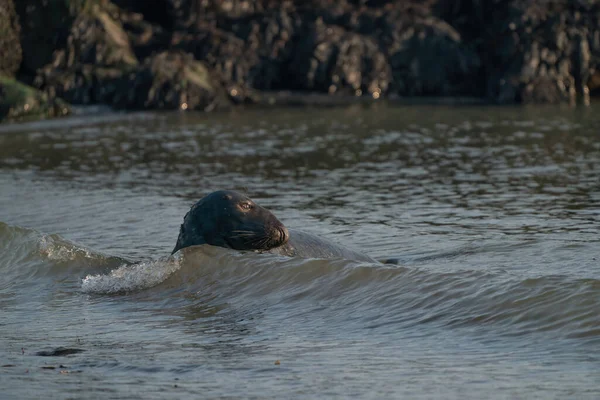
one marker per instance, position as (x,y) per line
(245,54)
(144,34)
(96,54)
(429,58)
(44,28)
(426,56)
(177,54)
(98,65)
(594,83)
(21,102)
(520,40)
(170,80)
(84,83)
(191,14)
(532,51)
(59,352)
(223,52)
(97,37)
(329,47)
(10,47)
(167,80)
(581,66)
(272,40)
(145,38)
(547,90)
(332,60)
(157,12)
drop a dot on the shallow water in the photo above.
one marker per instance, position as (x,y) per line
(493,214)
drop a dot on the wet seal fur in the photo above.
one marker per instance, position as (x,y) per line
(230,219)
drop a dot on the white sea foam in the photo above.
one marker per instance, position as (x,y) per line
(131,277)
(58,249)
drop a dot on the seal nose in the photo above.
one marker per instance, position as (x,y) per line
(285,235)
(280,234)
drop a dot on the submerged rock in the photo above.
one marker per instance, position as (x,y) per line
(59,352)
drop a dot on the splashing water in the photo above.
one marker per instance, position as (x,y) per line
(131,277)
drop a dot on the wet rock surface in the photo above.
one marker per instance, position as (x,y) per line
(171,80)
(158,55)
(10,47)
(533,51)
(44,28)
(21,102)
(96,55)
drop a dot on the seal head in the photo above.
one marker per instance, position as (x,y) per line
(230,219)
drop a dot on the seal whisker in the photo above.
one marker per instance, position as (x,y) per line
(258,241)
(261,241)
(268,241)
(243,235)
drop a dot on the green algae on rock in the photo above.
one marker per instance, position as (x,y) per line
(21,102)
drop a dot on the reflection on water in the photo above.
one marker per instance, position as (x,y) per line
(493,212)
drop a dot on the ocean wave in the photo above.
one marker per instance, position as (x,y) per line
(376,297)
(27,253)
(382,297)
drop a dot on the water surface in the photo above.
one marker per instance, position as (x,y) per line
(493,214)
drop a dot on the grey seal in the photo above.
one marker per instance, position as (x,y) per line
(229,219)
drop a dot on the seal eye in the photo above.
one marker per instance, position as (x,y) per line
(246,206)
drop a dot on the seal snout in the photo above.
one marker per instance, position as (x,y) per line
(280,235)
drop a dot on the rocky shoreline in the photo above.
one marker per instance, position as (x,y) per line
(215,54)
